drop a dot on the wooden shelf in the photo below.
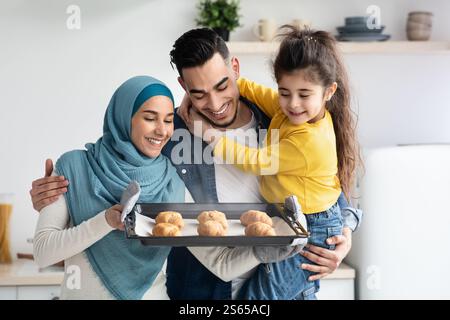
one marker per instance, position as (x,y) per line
(385,47)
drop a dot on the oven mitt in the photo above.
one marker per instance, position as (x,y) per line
(294,206)
(129,198)
(270,254)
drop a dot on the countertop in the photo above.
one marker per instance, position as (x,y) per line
(343,272)
(24,272)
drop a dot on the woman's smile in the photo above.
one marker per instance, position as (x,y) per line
(156,142)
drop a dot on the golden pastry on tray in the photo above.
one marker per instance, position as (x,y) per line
(165,229)
(215,216)
(170,217)
(211,228)
(259,229)
(252,216)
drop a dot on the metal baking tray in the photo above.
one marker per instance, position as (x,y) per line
(233,211)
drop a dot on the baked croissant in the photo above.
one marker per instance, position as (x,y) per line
(215,216)
(211,228)
(165,229)
(259,229)
(252,216)
(170,217)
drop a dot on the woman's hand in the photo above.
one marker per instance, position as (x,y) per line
(113,215)
(327,260)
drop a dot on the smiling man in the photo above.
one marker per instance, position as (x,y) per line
(217,101)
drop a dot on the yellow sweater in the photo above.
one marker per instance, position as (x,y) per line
(303,162)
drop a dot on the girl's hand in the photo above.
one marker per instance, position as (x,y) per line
(184,108)
(199,127)
(327,260)
(112,216)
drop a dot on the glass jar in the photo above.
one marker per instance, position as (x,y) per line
(6,206)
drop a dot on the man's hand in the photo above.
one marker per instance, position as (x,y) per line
(47,190)
(113,215)
(328,260)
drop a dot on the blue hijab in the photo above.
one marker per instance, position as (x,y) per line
(98,176)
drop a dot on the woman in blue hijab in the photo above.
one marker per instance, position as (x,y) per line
(137,124)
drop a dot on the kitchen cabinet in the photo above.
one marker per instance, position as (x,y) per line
(340,285)
(8,293)
(24,280)
(38,292)
(30,292)
(336,289)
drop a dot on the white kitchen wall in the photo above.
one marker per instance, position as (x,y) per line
(55,83)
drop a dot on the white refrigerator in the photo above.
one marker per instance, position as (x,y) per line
(402,250)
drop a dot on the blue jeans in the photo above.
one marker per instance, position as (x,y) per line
(286,280)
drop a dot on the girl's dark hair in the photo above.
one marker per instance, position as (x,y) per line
(195,47)
(316,53)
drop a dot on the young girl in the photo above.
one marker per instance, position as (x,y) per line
(314,158)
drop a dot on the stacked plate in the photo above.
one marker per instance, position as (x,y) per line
(356,29)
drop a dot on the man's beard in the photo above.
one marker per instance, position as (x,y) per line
(225,125)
